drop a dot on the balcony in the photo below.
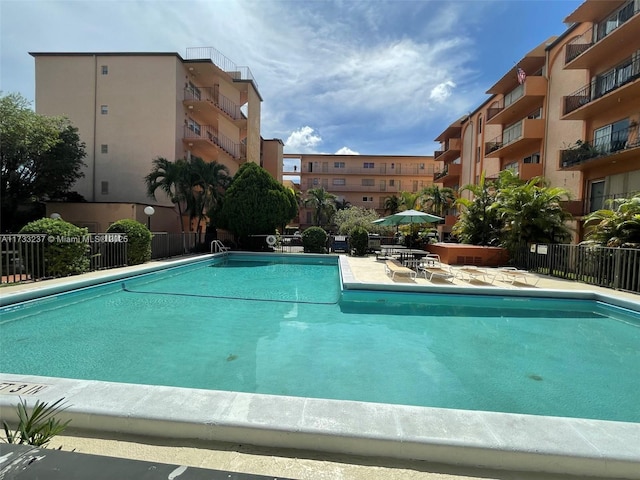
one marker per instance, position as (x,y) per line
(523,100)
(449,174)
(451,150)
(619,87)
(407,170)
(359,188)
(524,135)
(208,103)
(526,171)
(620,148)
(210,142)
(615,37)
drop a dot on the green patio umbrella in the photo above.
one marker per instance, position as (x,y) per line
(408,217)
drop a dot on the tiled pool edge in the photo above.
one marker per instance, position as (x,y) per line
(459,437)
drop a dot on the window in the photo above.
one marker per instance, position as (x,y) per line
(392,182)
(513,166)
(479,124)
(612,137)
(104,109)
(596,195)
(535,115)
(422,166)
(368,182)
(104,148)
(338,164)
(367,199)
(316,181)
(193,92)
(369,165)
(339,181)
(535,158)
(104,188)
(105,70)
(194,126)
(478,155)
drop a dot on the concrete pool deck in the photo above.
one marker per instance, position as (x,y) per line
(511,442)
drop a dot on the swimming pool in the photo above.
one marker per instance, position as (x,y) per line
(282,326)
(446,435)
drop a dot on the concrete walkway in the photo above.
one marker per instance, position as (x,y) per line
(302,464)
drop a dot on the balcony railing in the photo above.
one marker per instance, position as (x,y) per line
(595,34)
(211,134)
(600,147)
(618,76)
(212,96)
(220,61)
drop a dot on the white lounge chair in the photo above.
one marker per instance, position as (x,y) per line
(436,271)
(392,267)
(512,275)
(471,272)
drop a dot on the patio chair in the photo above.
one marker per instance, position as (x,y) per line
(393,267)
(436,271)
(512,275)
(471,272)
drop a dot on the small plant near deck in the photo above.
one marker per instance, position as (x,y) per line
(359,241)
(314,240)
(138,240)
(38,427)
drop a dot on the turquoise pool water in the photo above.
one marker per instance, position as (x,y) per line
(275,327)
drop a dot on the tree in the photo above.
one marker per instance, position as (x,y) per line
(618,226)
(436,200)
(348,219)
(409,200)
(256,204)
(208,182)
(532,213)
(40,158)
(323,204)
(479,222)
(392,204)
(172,178)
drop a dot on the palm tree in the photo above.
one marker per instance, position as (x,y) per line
(208,181)
(616,227)
(392,204)
(532,213)
(323,204)
(409,200)
(342,204)
(479,222)
(172,179)
(437,200)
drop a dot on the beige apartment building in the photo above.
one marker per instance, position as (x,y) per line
(131,108)
(582,87)
(361,180)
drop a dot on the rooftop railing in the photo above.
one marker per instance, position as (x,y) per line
(223,63)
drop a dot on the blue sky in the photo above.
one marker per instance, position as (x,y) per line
(337,76)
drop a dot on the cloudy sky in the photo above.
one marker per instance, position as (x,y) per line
(336,76)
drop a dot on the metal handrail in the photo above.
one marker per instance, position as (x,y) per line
(213,96)
(220,61)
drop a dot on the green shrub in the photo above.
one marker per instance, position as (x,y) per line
(37,427)
(66,246)
(359,241)
(314,240)
(138,240)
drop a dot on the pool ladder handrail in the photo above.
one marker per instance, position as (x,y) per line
(218,247)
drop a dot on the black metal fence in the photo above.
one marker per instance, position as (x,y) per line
(23,257)
(617,268)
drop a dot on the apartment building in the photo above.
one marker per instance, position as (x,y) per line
(606,104)
(568,110)
(130,108)
(361,180)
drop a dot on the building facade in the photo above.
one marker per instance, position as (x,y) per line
(568,111)
(361,180)
(131,108)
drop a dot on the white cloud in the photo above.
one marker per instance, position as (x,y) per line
(303,140)
(346,151)
(441,92)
